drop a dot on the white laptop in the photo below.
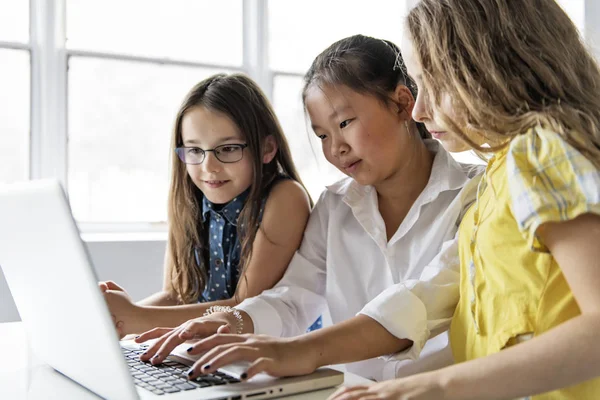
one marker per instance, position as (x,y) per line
(55,288)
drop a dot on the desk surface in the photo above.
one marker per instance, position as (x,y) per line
(24,377)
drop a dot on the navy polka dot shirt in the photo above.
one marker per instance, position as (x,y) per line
(221,227)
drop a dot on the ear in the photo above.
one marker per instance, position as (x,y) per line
(404,102)
(269,149)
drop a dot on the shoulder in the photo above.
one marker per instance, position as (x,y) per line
(539,148)
(542,158)
(549,180)
(287,201)
(287,193)
(286,213)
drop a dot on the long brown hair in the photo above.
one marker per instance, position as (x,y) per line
(239,98)
(508,66)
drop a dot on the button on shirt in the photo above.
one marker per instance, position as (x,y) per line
(220,224)
(409,284)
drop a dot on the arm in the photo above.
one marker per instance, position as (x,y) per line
(279,236)
(563,356)
(404,313)
(298,299)
(273,248)
(401,318)
(358,338)
(420,309)
(122,307)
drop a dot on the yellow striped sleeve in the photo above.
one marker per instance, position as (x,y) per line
(549,180)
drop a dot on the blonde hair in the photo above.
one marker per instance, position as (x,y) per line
(508,66)
(239,98)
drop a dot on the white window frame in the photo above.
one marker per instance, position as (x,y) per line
(49,79)
(25,47)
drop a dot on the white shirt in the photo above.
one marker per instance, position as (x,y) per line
(345,262)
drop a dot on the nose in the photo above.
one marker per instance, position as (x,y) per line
(421,110)
(339,147)
(210,163)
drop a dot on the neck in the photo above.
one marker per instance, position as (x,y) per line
(403,187)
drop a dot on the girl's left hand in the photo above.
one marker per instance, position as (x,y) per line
(425,386)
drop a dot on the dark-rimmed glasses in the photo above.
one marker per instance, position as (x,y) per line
(226,153)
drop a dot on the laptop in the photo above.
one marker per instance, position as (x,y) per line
(54,285)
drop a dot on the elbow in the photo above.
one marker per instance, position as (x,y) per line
(404,344)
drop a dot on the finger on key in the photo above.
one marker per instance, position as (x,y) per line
(168,345)
(151,351)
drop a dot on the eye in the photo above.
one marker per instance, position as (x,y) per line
(345,123)
(322,137)
(228,149)
(193,150)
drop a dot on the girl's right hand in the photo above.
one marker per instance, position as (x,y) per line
(275,356)
(198,328)
(110,285)
(105,287)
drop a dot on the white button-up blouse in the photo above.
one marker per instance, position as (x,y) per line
(408,284)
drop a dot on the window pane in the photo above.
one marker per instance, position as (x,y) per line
(14,115)
(14,21)
(576,10)
(204,31)
(314,169)
(120,122)
(292,46)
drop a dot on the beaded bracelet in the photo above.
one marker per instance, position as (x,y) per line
(239,321)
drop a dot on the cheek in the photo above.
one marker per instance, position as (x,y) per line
(371,143)
(190,171)
(326,148)
(244,170)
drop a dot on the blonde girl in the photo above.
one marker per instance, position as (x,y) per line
(513,79)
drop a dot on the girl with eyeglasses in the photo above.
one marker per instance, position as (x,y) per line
(370,238)
(237,208)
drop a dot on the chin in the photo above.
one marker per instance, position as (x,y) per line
(455,146)
(363,180)
(217,199)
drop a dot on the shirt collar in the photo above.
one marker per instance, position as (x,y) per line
(446,174)
(230,211)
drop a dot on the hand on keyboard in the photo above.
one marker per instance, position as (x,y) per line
(169,338)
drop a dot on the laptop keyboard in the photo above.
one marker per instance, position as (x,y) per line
(170,376)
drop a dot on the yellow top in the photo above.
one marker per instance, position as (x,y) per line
(511,285)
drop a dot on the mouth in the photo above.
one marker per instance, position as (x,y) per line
(351,167)
(437,134)
(215,183)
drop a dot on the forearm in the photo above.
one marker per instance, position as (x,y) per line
(172,316)
(564,356)
(356,339)
(162,298)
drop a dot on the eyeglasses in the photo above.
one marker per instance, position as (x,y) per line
(226,153)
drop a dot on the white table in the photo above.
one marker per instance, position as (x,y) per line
(22,376)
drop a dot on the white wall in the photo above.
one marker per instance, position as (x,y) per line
(136,265)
